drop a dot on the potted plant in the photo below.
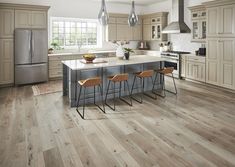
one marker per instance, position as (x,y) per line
(127,52)
(55,46)
(120,50)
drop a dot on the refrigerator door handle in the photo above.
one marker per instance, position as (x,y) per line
(32,41)
(29,44)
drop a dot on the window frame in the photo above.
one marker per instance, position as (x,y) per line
(69,19)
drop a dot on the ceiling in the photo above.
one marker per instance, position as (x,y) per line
(137,2)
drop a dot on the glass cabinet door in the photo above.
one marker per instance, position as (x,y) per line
(203,29)
(156,32)
(195,32)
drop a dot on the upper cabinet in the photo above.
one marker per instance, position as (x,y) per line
(30,19)
(153,25)
(6,23)
(221,19)
(199,23)
(148,28)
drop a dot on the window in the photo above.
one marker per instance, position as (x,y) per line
(69,33)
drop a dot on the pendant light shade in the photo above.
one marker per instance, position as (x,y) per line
(103,14)
(133,18)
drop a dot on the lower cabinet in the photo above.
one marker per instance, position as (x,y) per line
(196,68)
(220,63)
(7,61)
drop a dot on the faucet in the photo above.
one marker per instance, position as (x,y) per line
(79,44)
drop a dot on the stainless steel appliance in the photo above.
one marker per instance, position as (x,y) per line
(177,26)
(31,56)
(173,59)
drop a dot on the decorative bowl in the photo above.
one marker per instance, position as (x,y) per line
(89,58)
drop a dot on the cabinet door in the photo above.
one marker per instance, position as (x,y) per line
(23,19)
(137,32)
(212,21)
(112,32)
(124,32)
(227,58)
(39,19)
(183,66)
(212,62)
(190,73)
(6,23)
(147,32)
(195,31)
(227,21)
(200,72)
(6,63)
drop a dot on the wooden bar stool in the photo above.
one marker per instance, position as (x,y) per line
(162,72)
(119,78)
(142,76)
(90,82)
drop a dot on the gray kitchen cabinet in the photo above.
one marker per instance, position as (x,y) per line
(7,61)
(6,23)
(30,19)
(195,68)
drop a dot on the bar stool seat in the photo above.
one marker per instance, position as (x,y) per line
(142,75)
(90,82)
(118,78)
(163,72)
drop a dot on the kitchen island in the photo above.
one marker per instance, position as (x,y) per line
(75,70)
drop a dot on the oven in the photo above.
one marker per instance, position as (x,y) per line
(173,63)
(173,59)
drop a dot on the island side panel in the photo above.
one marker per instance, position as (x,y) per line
(65,80)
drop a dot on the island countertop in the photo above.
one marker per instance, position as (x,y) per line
(111,62)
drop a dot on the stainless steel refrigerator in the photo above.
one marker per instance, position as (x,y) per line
(31,56)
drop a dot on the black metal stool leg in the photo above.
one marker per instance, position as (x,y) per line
(83,109)
(122,99)
(139,101)
(78,98)
(113,108)
(174,84)
(101,93)
(150,96)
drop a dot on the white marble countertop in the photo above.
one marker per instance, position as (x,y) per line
(82,52)
(112,62)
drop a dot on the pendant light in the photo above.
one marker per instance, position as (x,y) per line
(103,14)
(133,18)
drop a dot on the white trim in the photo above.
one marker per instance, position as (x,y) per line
(99,31)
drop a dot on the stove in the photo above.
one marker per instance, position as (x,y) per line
(173,59)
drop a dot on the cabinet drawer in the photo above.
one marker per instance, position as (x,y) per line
(122,20)
(197,59)
(55,64)
(55,73)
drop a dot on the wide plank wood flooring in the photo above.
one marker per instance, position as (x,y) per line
(196,128)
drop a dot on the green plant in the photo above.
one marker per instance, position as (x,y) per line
(128,50)
(55,46)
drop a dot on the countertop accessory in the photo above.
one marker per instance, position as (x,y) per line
(103,14)
(127,52)
(89,58)
(133,18)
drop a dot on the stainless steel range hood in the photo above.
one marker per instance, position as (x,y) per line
(179,25)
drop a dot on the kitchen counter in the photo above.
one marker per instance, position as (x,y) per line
(75,70)
(82,52)
(111,61)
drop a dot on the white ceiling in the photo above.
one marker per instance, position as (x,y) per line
(137,2)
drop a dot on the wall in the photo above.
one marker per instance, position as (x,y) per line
(180,41)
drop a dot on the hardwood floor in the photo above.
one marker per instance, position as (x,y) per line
(194,129)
